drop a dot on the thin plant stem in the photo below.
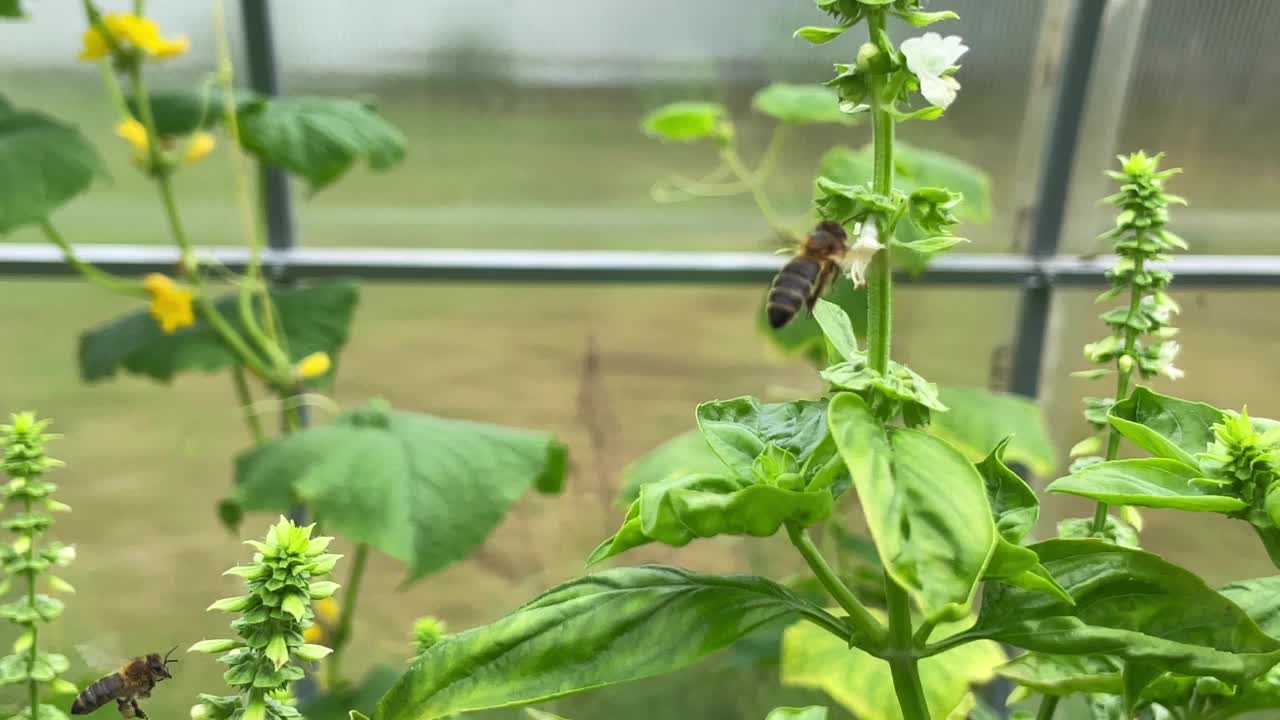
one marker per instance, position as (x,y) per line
(769,158)
(903,663)
(342,635)
(165,184)
(1048,706)
(755,183)
(33,653)
(251,420)
(267,339)
(879,273)
(901,651)
(91,272)
(866,627)
(1123,376)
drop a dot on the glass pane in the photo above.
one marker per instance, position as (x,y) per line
(1202,90)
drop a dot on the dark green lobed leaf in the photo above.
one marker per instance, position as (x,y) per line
(44,163)
(800,104)
(423,489)
(319,138)
(313,318)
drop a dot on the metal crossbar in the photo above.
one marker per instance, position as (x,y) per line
(609,266)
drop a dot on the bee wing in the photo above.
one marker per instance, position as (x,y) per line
(103,655)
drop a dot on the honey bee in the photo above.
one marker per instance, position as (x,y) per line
(135,680)
(807,275)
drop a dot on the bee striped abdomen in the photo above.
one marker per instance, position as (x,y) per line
(97,695)
(792,290)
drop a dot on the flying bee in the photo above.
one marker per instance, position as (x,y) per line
(807,275)
(135,680)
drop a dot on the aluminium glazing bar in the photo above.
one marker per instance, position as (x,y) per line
(610,266)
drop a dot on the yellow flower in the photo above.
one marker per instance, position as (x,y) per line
(131,32)
(327,612)
(170,304)
(201,144)
(313,366)
(136,134)
(94,46)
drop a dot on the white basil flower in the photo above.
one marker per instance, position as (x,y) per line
(928,57)
(1168,352)
(859,256)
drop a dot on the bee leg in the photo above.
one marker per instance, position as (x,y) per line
(137,711)
(125,707)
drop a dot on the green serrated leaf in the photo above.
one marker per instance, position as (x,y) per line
(1132,605)
(423,489)
(812,712)
(925,504)
(44,163)
(818,35)
(803,337)
(295,605)
(923,19)
(1164,426)
(311,653)
(623,624)
(800,104)
(319,138)
(931,246)
(323,589)
(837,328)
(738,430)
(277,651)
(542,714)
(314,318)
(675,512)
(1146,482)
(1065,674)
(215,646)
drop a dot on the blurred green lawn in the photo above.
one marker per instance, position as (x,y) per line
(515,170)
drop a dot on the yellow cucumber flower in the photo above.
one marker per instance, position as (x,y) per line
(170,304)
(201,144)
(131,32)
(313,366)
(327,612)
(133,131)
